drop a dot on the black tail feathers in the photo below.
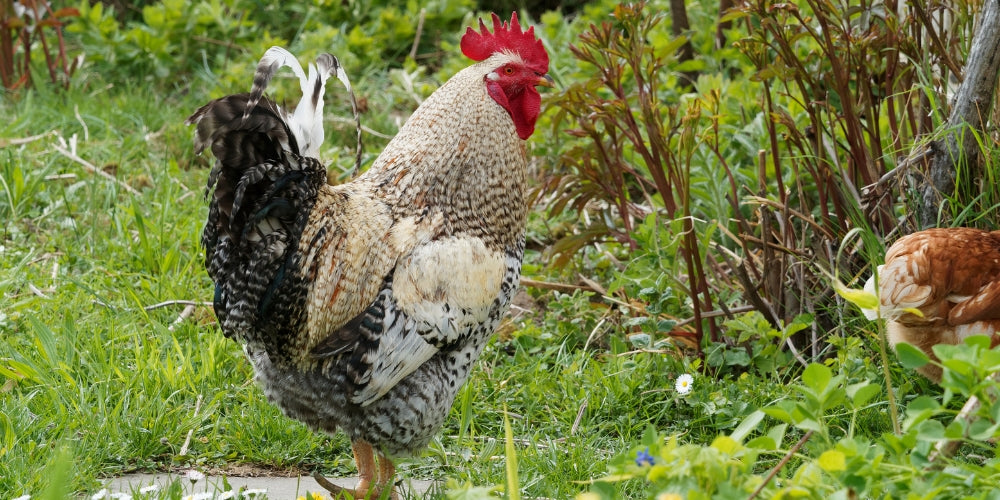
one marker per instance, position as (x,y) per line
(260,195)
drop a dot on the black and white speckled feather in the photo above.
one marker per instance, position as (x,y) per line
(261,193)
(364,306)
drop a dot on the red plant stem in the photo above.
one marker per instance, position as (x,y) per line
(48,56)
(26,71)
(6,44)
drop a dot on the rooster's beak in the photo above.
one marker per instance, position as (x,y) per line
(545,81)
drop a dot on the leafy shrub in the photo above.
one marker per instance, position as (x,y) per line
(810,444)
(634,156)
(173,40)
(758,174)
(23,28)
(842,106)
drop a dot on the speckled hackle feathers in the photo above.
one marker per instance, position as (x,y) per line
(364,306)
(939,286)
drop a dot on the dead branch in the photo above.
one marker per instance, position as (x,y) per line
(187,440)
(94,170)
(185,314)
(178,302)
(784,460)
(416,37)
(972,104)
(946,449)
(559,287)
(24,140)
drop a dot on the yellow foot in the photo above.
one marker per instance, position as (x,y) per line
(362,492)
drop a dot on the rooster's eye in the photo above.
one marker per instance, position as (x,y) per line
(508,70)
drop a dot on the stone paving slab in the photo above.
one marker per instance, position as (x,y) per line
(208,487)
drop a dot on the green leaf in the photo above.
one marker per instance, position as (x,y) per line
(748,424)
(832,461)
(736,357)
(956,429)
(862,392)
(860,298)
(911,357)
(811,424)
(982,430)
(456,491)
(920,409)
(801,322)
(777,433)
(732,15)
(930,430)
(981,341)
(726,445)
(58,474)
(781,410)
(7,437)
(817,377)
(764,443)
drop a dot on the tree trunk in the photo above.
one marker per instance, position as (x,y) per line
(679,26)
(972,104)
(722,26)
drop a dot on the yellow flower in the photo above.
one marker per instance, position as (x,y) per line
(669,496)
(312,496)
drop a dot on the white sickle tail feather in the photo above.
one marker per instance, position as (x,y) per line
(306,122)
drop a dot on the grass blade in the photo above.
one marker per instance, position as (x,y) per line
(513,488)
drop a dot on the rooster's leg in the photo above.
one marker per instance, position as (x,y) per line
(364,458)
(386,475)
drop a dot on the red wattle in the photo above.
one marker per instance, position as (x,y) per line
(523,107)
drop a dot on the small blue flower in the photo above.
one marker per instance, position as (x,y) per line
(644,458)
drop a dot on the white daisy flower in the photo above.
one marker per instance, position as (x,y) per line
(194,476)
(100,494)
(683,384)
(149,489)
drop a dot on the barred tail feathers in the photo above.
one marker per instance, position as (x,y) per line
(261,194)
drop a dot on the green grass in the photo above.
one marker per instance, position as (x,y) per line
(96,379)
(103,373)
(91,369)
(88,364)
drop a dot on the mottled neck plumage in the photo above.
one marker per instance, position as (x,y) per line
(480,189)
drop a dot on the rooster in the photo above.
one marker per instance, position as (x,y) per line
(363,306)
(939,286)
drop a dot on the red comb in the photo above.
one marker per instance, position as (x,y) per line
(481,45)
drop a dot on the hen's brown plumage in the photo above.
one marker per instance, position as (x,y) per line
(363,306)
(952,276)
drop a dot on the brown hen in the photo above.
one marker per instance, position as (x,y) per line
(950,275)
